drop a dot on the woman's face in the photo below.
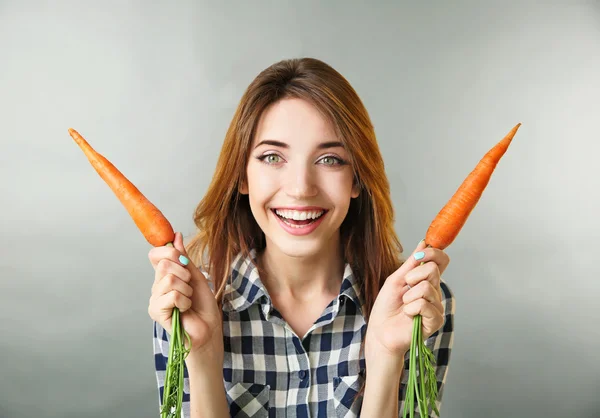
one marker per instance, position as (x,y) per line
(299,180)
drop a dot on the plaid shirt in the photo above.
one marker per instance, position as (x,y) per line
(270,372)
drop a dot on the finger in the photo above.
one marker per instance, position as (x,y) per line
(420,275)
(428,271)
(158,314)
(429,255)
(202,296)
(424,290)
(171,282)
(160,308)
(166,266)
(427,310)
(424,255)
(436,255)
(168,301)
(410,263)
(156,254)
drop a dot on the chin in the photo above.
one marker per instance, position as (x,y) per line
(297,248)
(302,247)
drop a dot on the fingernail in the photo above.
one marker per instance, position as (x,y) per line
(419,255)
(183,260)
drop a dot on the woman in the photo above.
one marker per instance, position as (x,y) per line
(296,254)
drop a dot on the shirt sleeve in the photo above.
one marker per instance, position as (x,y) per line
(161,341)
(440,343)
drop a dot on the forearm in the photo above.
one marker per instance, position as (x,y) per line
(382,385)
(207,392)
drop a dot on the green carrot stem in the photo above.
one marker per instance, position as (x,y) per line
(413,366)
(174,373)
(167,388)
(409,398)
(425,387)
(182,356)
(422,359)
(170,375)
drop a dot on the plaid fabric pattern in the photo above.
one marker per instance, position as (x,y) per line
(269,371)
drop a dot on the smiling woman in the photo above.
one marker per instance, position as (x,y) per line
(293,291)
(299,174)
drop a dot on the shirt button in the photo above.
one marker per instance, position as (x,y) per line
(302,374)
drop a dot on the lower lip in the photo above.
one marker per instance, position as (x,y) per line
(300,230)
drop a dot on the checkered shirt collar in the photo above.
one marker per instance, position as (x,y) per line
(245,287)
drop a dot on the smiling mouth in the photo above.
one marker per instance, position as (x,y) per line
(299,219)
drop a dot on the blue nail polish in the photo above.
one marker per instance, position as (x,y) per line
(419,255)
(183,260)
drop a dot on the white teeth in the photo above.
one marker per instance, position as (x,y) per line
(299,215)
(295,226)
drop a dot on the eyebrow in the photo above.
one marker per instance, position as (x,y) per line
(323,145)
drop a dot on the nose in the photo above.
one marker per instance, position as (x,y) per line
(301,183)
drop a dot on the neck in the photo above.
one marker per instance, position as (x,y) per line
(302,278)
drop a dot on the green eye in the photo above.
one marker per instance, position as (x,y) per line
(272,158)
(331,160)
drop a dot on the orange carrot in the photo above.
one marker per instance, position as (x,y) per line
(450,220)
(150,221)
(441,233)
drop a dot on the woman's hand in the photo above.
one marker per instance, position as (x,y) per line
(179,283)
(413,289)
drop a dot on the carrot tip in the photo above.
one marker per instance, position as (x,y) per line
(150,221)
(450,220)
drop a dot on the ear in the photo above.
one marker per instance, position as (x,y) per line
(355,189)
(243,189)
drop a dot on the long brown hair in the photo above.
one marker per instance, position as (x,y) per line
(226,226)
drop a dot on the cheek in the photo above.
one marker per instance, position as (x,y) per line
(340,189)
(265,184)
(261,186)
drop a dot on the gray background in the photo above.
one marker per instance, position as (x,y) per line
(153,86)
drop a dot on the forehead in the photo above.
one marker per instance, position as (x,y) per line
(294,121)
